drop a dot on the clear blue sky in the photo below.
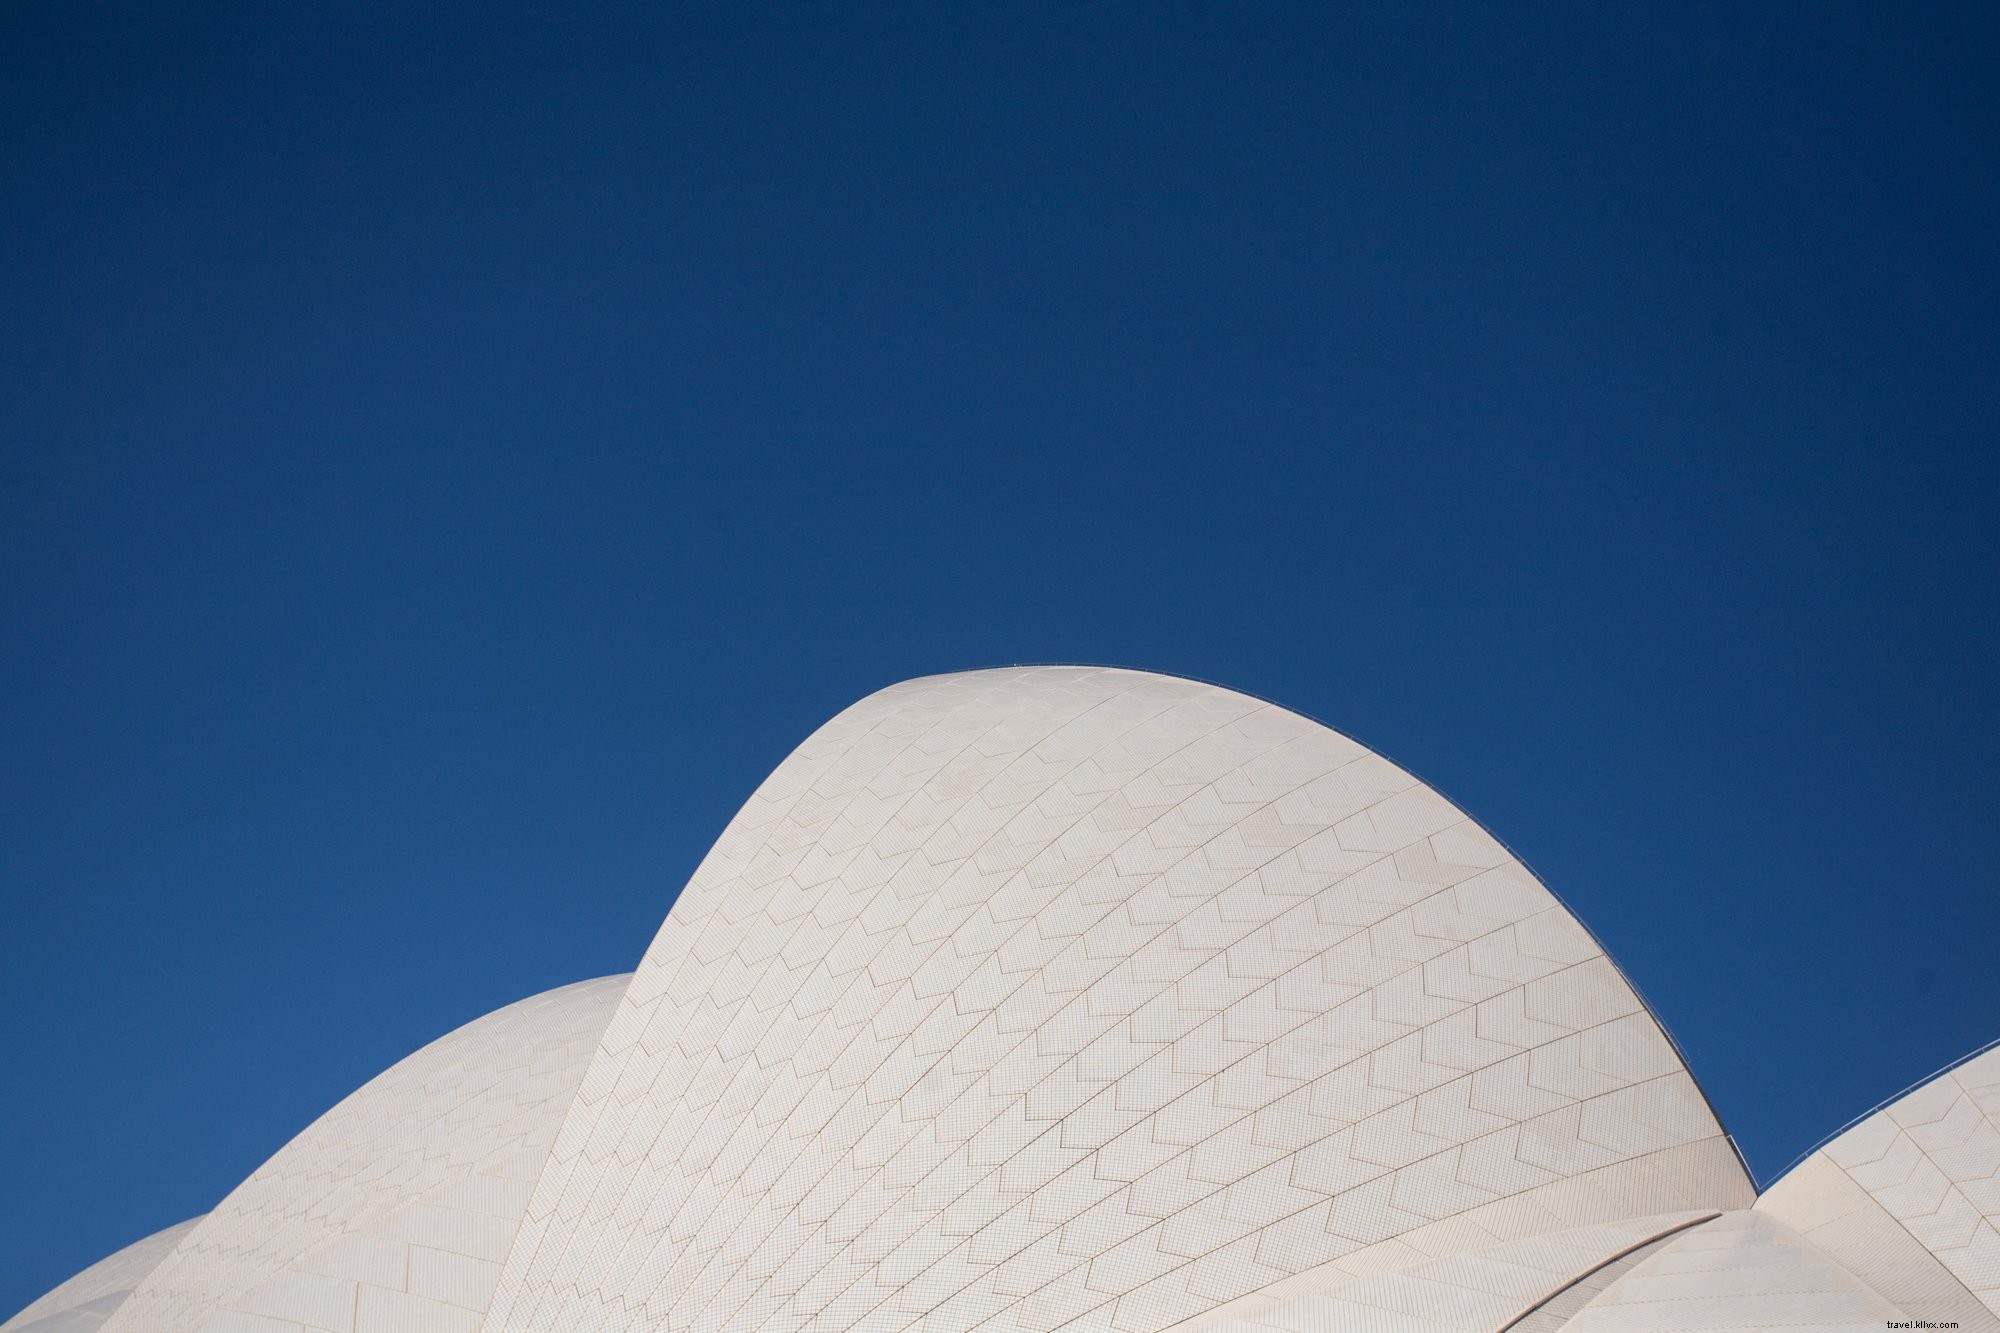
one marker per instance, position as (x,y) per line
(447,460)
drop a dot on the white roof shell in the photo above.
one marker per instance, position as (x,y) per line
(395,1208)
(1077,998)
(83,1303)
(1893,1220)
(1067,997)
(1909,1198)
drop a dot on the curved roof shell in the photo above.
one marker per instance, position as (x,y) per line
(395,1208)
(1908,1198)
(1070,997)
(1087,999)
(83,1303)
(1890,1223)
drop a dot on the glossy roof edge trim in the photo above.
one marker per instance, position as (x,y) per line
(1679,1228)
(1884,1105)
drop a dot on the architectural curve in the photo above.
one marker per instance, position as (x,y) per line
(1070,997)
(1515,1287)
(394,1209)
(1909,1197)
(83,1303)
(1080,999)
(1744,1272)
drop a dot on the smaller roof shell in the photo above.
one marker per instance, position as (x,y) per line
(83,1303)
(394,1209)
(1908,1198)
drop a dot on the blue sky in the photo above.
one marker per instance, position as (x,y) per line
(447,458)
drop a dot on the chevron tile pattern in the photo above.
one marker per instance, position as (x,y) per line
(1744,1271)
(1460,1291)
(1065,997)
(394,1209)
(1553,1314)
(1909,1198)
